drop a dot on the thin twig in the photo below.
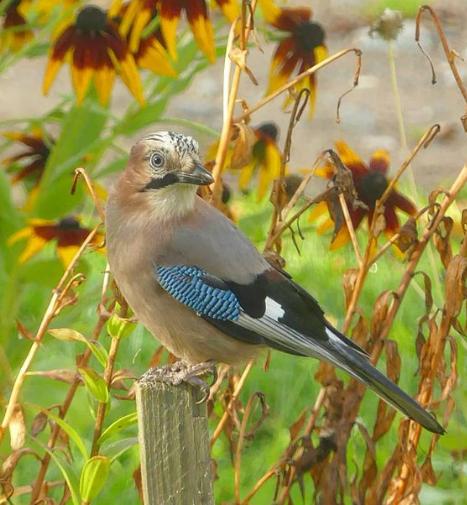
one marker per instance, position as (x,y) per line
(233,399)
(450,54)
(81,172)
(297,79)
(245,30)
(350,228)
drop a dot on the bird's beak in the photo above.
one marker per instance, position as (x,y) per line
(199,175)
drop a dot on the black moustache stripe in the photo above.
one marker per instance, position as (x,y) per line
(161,182)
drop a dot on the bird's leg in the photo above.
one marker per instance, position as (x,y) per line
(180,371)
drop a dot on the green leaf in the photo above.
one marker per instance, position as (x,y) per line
(115,449)
(116,426)
(81,137)
(119,327)
(93,477)
(68,429)
(68,334)
(141,118)
(95,384)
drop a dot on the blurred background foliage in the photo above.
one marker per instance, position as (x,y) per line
(38,215)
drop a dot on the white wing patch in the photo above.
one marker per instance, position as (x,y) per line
(274,310)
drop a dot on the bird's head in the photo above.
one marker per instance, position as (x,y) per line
(167,160)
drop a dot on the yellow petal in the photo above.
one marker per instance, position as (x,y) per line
(104,78)
(269,169)
(204,36)
(230,9)
(156,59)
(53,66)
(321,53)
(271,11)
(140,22)
(317,211)
(169,31)
(347,155)
(35,244)
(129,74)
(66,254)
(325,227)
(341,239)
(20,234)
(81,77)
(246,173)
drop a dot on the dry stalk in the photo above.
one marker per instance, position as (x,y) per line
(451,55)
(277,195)
(225,416)
(81,172)
(245,30)
(51,311)
(306,73)
(350,227)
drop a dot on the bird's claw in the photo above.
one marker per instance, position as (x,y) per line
(180,372)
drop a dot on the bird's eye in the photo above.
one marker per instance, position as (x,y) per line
(156,160)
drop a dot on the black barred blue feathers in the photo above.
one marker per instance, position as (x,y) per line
(191,286)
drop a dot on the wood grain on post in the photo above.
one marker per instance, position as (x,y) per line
(174,443)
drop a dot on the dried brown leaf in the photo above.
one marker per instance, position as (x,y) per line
(380,312)
(17,428)
(238,56)
(156,357)
(296,427)
(441,240)
(138,481)
(245,139)
(456,289)
(369,466)
(39,423)
(408,235)
(349,279)
(59,374)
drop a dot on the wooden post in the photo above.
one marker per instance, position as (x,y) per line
(174,442)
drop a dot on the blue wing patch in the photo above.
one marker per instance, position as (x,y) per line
(208,297)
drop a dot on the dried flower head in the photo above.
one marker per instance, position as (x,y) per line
(388,25)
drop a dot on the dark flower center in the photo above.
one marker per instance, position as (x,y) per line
(309,35)
(371,187)
(68,223)
(269,130)
(91,19)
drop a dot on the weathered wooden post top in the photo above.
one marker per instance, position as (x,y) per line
(174,441)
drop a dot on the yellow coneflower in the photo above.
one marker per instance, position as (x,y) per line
(97,52)
(370,182)
(67,233)
(301,48)
(29,164)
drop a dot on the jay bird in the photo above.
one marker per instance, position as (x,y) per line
(202,288)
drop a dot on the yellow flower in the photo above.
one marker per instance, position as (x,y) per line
(14,31)
(67,233)
(29,164)
(301,48)
(97,52)
(370,182)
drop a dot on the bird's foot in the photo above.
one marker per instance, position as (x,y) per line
(180,371)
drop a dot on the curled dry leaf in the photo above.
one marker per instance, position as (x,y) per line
(39,423)
(380,313)
(456,289)
(59,374)
(408,235)
(348,281)
(17,428)
(427,290)
(296,427)
(244,138)
(441,240)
